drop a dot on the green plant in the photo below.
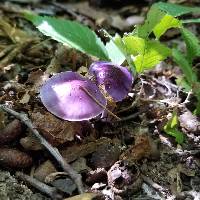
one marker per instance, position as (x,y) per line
(171,128)
(141,48)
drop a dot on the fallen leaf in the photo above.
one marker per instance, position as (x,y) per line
(144,148)
(55,130)
(77,151)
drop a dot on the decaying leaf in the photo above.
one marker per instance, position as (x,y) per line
(77,151)
(124,178)
(144,147)
(55,130)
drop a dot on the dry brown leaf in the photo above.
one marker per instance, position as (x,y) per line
(77,151)
(144,147)
(55,130)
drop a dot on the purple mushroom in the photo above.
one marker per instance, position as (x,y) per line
(72,97)
(116,79)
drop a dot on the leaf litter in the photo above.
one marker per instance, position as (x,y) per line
(113,158)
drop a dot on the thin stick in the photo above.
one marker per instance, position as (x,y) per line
(52,150)
(42,187)
(100,104)
(164,192)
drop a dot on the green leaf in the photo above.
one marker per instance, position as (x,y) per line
(146,53)
(153,53)
(191,21)
(70,33)
(171,128)
(185,66)
(115,53)
(180,81)
(177,134)
(154,16)
(134,45)
(166,23)
(192,44)
(176,10)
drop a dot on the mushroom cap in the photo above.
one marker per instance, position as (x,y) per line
(63,95)
(116,79)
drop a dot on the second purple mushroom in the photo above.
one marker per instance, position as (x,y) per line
(116,79)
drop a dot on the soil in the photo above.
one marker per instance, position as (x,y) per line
(129,159)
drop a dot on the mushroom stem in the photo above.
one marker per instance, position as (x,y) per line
(100,104)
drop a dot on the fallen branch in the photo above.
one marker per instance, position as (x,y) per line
(163,191)
(52,150)
(42,187)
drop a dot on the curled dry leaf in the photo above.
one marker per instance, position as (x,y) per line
(13,158)
(56,131)
(123,178)
(10,132)
(144,147)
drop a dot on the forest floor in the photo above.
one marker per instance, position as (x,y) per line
(130,159)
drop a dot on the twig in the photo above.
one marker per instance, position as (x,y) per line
(42,187)
(99,103)
(164,192)
(133,116)
(52,150)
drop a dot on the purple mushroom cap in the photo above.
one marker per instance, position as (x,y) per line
(66,96)
(116,79)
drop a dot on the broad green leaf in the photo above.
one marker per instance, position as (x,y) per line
(166,23)
(176,10)
(154,16)
(185,66)
(191,21)
(70,33)
(179,136)
(134,45)
(114,53)
(180,81)
(153,53)
(192,44)
(171,128)
(146,53)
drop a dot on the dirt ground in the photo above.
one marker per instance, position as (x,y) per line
(130,159)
